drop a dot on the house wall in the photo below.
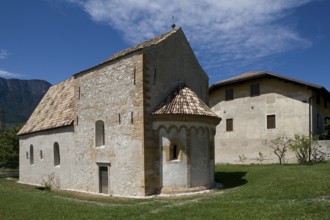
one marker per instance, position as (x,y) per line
(43,168)
(319,112)
(325,148)
(112,93)
(287,101)
(167,64)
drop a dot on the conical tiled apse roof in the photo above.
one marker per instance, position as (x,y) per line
(184,101)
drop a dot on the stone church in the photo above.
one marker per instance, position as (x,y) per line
(136,124)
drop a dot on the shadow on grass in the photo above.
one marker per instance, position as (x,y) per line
(230,179)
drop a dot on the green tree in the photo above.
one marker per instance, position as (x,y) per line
(2,120)
(9,146)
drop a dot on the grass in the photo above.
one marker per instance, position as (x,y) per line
(251,192)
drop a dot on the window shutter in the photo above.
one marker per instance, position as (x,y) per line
(229,125)
(229,94)
(271,121)
(254,90)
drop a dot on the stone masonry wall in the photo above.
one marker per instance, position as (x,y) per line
(111,93)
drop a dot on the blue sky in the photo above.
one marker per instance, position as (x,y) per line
(54,39)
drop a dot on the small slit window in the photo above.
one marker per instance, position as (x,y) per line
(271,121)
(99,133)
(41,155)
(31,155)
(174,152)
(57,158)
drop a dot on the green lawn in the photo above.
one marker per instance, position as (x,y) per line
(252,192)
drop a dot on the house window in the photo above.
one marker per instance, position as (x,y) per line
(31,155)
(229,94)
(229,124)
(57,158)
(271,121)
(254,90)
(99,133)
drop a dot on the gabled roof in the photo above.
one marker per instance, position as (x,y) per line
(183,101)
(263,74)
(148,43)
(56,109)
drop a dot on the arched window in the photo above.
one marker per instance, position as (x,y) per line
(99,133)
(31,155)
(175,151)
(57,158)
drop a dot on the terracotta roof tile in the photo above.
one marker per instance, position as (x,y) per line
(184,101)
(56,109)
(253,75)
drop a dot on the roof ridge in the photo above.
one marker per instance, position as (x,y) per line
(147,43)
(251,75)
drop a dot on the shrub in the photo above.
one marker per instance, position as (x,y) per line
(242,159)
(307,149)
(280,146)
(261,157)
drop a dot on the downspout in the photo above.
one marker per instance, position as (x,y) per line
(310,127)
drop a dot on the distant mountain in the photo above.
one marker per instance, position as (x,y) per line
(18,98)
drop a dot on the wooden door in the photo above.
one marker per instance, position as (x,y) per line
(104,180)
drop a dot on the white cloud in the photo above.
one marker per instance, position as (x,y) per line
(222,32)
(4,73)
(3,54)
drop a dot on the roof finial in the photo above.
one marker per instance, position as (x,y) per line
(173,25)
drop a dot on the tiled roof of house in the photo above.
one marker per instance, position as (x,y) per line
(185,102)
(260,74)
(147,43)
(56,109)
